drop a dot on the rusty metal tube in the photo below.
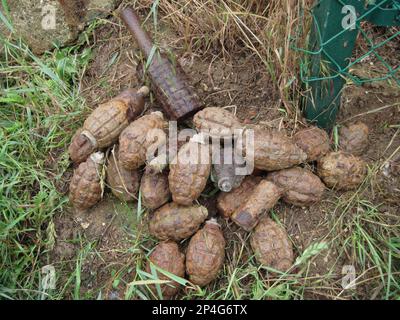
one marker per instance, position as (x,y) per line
(169,82)
(133,23)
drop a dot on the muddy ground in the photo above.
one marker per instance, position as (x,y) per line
(239,81)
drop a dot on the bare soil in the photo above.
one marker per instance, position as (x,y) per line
(241,82)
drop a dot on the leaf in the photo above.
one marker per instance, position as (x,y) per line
(150,58)
(311,251)
(4,19)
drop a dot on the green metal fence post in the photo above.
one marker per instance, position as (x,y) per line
(331,49)
(332,40)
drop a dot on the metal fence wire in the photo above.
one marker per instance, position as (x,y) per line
(329,60)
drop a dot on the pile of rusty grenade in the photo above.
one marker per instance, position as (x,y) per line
(117,127)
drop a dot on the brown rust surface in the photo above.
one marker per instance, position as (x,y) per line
(300,186)
(263,198)
(271,245)
(205,254)
(313,141)
(155,190)
(273,150)
(229,202)
(134,140)
(175,222)
(342,171)
(167,256)
(189,172)
(85,188)
(124,183)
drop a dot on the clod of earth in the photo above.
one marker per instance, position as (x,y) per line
(313,141)
(216,122)
(271,245)
(205,254)
(154,190)
(189,172)
(273,150)
(262,199)
(175,222)
(124,184)
(342,171)
(104,125)
(229,202)
(85,189)
(300,186)
(354,138)
(137,138)
(166,256)
(54,22)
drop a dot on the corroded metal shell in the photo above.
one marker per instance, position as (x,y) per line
(342,171)
(271,245)
(135,139)
(154,190)
(205,254)
(228,168)
(300,186)
(81,147)
(354,138)
(263,198)
(273,150)
(85,189)
(229,202)
(124,183)
(166,256)
(175,222)
(216,122)
(104,125)
(313,141)
(189,172)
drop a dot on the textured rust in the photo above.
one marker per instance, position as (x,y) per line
(354,138)
(124,183)
(216,122)
(273,150)
(263,198)
(161,161)
(154,190)
(342,171)
(205,254)
(166,256)
(189,172)
(136,139)
(229,202)
(85,188)
(300,186)
(169,82)
(271,245)
(175,222)
(106,122)
(313,141)
(80,147)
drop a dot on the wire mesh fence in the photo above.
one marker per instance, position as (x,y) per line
(389,13)
(330,60)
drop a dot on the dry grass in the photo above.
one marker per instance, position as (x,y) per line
(266,29)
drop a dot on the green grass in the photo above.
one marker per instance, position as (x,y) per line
(39,104)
